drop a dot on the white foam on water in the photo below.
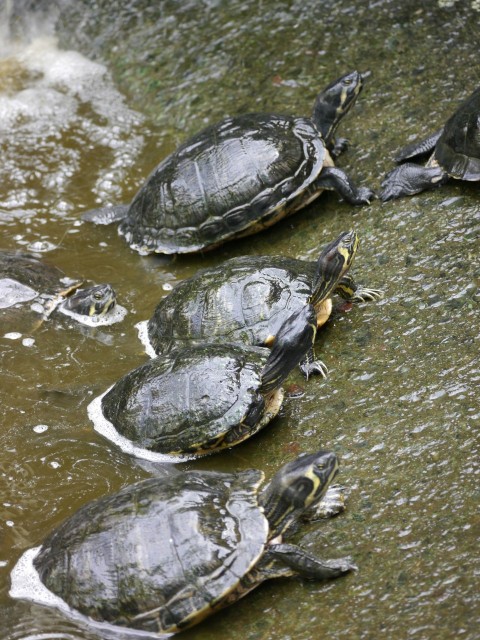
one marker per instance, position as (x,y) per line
(55,95)
(105,428)
(142,328)
(26,585)
(40,428)
(117,314)
(41,246)
(13,335)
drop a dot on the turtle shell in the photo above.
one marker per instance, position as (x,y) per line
(231,179)
(245,300)
(458,148)
(158,555)
(191,401)
(25,280)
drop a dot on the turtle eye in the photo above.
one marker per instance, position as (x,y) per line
(97,296)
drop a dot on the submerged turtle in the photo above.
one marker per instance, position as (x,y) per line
(164,553)
(209,396)
(27,281)
(248,299)
(456,154)
(239,176)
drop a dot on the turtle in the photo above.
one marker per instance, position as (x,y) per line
(238,176)
(456,154)
(200,399)
(247,299)
(162,554)
(28,282)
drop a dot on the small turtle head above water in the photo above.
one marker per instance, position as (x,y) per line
(334,102)
(296,487)
(92,301)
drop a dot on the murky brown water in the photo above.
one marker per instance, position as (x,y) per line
(401,403)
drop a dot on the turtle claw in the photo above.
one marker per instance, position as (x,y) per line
(365,294)
(315,367)
(365,195)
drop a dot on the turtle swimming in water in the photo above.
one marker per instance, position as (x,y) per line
(456,154)
(247,299)
(164,553)
(206,397)
(29,283)
(239,176)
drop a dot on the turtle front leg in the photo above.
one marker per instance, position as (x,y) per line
(332,503)
(309,366)
(337,180)
(351,291)
(292,345)
(419,148)
(410,178)
(282,560)
(339,146)
(285,561)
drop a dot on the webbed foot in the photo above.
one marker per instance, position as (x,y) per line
(409,179)
(363,195)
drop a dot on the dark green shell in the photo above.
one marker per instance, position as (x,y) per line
(458,148)
(230,177)
(191,400)
(159,554)
(243,300)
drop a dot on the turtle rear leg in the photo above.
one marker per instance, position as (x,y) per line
(106,215)
(337,180)
(419,148)
(410,178)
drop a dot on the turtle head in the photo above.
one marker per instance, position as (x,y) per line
(291,344)
(296,487)
(333,263)
(92,301)
(334,102)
